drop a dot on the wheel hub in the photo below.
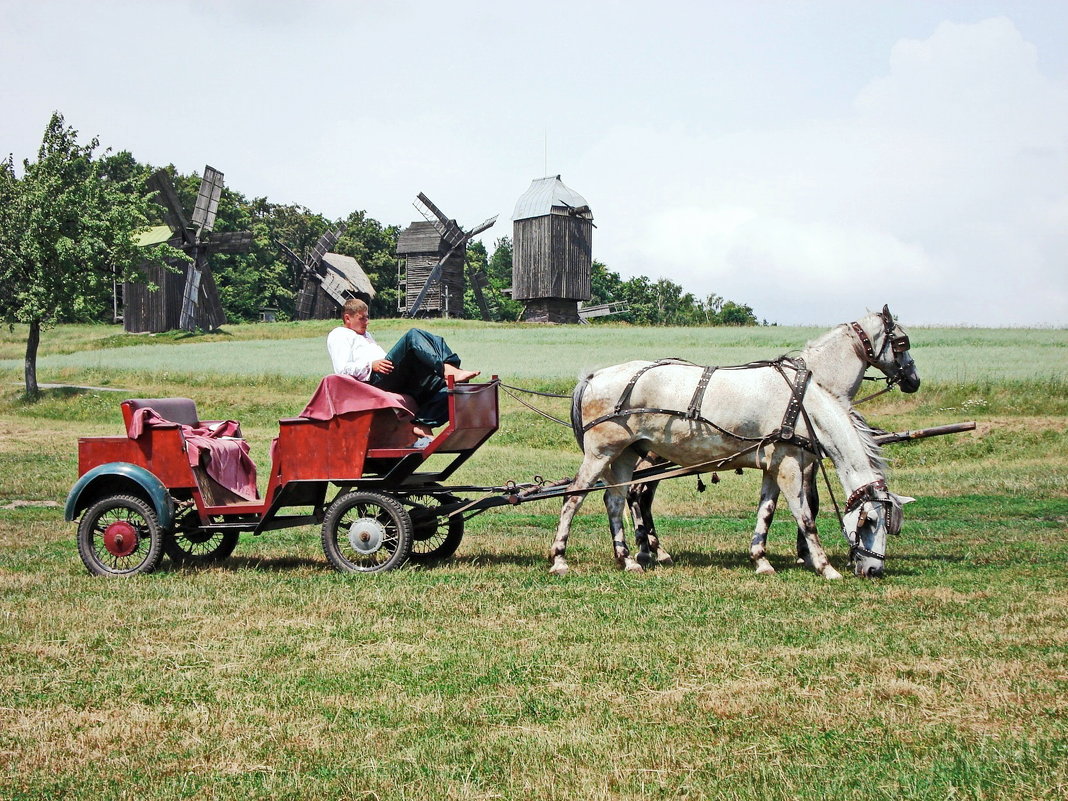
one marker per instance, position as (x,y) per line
(120,538)
(366,535)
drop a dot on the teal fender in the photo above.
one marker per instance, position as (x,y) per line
(118,478)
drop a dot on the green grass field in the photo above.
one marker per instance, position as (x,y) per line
(272,676)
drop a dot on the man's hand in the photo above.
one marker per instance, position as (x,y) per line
(384,366)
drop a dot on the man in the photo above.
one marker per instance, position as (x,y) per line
(418,365)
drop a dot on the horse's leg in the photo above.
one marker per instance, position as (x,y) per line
(592,468)
(769,498)
(793,484)
(803,556)
(640,500)
(615,501)
(639,505)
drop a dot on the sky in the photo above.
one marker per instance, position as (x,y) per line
(811,159)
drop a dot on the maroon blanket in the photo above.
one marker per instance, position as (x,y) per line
(228,461)
(338,394)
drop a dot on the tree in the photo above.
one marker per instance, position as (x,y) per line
(66,232)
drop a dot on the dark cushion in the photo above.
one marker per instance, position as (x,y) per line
(177,410)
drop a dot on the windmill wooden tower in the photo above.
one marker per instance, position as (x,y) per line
(552,251)
(430,263)
(190,299)
(326,280)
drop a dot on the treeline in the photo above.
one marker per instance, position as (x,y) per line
(263,278)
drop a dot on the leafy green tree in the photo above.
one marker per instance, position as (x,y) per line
(66,232)
(736,314)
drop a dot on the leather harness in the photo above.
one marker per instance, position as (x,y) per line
(786,432)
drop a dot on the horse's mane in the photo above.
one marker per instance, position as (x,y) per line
(867,437)
(814,346)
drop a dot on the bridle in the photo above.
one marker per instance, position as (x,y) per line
(875,492)
(866,351)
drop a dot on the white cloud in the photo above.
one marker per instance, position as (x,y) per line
(944,193)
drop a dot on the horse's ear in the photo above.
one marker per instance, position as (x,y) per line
(886,312)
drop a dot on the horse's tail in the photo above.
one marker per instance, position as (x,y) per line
(576,410)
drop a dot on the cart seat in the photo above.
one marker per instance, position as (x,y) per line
(182,411)
(216,451)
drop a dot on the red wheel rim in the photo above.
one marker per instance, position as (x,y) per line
(120,538)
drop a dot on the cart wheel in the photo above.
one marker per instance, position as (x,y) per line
(366,532)
(199,547)
(120,536)
(434,537)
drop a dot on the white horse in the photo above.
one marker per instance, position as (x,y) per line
(739,419)
(838,360)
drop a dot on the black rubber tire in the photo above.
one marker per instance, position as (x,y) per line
(434,537)
(379,524)
(148,550)
(199,547)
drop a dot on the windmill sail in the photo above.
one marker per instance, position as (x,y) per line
(207,205)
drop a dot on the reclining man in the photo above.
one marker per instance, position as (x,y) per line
(417,365)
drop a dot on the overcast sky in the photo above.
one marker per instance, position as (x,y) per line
(810,159)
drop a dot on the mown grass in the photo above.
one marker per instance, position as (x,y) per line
(271,676)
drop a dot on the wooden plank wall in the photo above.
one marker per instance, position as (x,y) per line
(552,257)
(145,311)
(414,275)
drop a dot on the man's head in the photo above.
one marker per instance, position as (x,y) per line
(354,315)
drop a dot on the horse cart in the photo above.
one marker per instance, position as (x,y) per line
(166,486)
(350,462)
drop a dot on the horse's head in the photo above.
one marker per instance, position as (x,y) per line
(885,346)
(872,513)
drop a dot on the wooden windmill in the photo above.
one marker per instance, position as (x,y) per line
(552,257)
(326,280)
(188,300)
(431,262)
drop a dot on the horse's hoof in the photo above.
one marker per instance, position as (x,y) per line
(831,574)
(558,569)
(764,568)
(645,559)
(633,567)
(665,560)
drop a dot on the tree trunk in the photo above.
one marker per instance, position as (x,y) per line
(32,341)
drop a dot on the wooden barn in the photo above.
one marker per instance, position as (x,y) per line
(552,252)
(420,248)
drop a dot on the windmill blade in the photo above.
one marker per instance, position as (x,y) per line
(428,206)
(289,253)
(306,298)
(187,321)
(479,281)
(210,315)
(478,229)
(322,247)
(207,205)
(449,229)
(229,241)
(160,182)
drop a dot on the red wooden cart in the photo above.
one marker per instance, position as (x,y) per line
(379,500)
